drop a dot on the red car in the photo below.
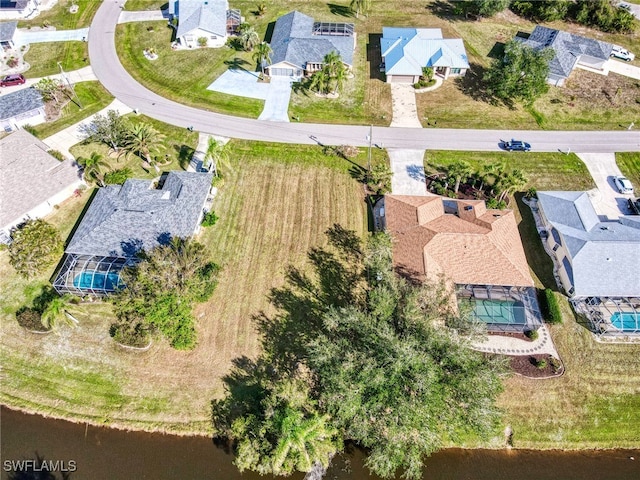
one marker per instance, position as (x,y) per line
(11,80)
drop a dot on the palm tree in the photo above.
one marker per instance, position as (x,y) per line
(262,9)
(216,153)
(262,54)
(459,170)
(249,37)
(142,140)
(511,182)
(92,168)
(360,6)
(56,314)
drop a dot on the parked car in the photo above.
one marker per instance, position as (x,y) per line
(516,146)
(622,53)
(634,206)
(626,6)
(623,184)
(11,80)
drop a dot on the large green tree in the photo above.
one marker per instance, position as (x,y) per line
(331,77)
(34,247)
(520,75)
(543,10)
(604,15)
(110,129)
(458,171)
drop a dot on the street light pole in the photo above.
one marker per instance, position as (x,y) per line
(71,87)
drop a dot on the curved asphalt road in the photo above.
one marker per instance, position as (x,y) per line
(111,73)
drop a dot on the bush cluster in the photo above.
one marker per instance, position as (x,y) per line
(210,219)
(550,308)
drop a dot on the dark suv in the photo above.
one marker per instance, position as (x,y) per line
(516,146)
(634,206)
(11,80)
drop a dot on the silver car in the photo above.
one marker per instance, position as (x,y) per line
(623,184)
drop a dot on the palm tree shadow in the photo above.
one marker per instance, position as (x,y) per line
(340,10)
(185,154)
(236,63)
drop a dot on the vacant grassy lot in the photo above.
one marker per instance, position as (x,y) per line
(270,214)
(44,57)
(60,18)
(93,98)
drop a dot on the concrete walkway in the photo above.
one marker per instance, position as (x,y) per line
(515,346)
(606,199)
(276,105)
(405,111)
(408,172)
(65,139)
(24,36)
(197,161)
(143,16)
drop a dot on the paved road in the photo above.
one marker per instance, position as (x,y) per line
(113,76)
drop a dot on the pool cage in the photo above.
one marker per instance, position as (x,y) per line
(523,304)
(90,274)
(333,28)
(610,317)
(234,19)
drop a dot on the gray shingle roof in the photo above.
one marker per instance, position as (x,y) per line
(20,102)
(29,176)
(122,220)
(567,48)
(604,255)
(293,41)
(7,29)
(207,15)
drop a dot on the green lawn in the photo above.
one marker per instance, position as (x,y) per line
(138,5)
(60,17)
(93,98)
(44,57)
(629,163)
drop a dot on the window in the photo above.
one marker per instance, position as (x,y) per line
(455,71)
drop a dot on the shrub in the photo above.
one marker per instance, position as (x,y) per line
(550,308)
(531,334)
(130,333)
(210,219)
(57,155)
(531,193)
(12,62)
(118,177)
(34,248)
(555,364)
(202,41)
(541,364)
(31,129)
(31,319)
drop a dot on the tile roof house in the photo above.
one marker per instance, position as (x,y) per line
(32,181)
(570,51)
(210,19)
(124,219)
(7,30)
(405,51)
(300,44)
(10,9)
(24,107)
(475,248)
(597,262)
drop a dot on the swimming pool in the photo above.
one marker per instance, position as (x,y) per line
(626,321)
(499,311)
(91,279)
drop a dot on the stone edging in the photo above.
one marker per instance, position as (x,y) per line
(138,349)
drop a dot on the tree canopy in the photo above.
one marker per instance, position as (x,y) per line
(110,129)
(374,359)
(520,75)
(34,248)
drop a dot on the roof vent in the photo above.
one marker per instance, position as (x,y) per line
(604,228)
(166,195)
(497,215)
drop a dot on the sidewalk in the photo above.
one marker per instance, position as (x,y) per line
(65,139)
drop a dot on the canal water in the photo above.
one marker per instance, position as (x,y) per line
(92,453)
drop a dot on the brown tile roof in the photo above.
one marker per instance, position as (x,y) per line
(476,246)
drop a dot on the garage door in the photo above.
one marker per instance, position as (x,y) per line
(282,72)
(402,78)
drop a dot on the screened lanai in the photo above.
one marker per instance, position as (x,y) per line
(90,275)
(611,317)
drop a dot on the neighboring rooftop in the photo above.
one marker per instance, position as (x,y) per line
(605,256)
(7,29)
(407,50)
(17,103)
(207,15)
(461,239)
(567,47)
(13,4)
(29,176)
(123,220)
(297,39)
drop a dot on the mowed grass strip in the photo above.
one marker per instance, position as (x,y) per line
(271,213)
(60,17)
(44,58)
(629,163)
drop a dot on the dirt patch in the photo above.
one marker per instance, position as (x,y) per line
(600,91)
(537,366)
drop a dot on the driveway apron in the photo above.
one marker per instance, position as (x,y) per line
(405,111)
(276,105)
(408,172)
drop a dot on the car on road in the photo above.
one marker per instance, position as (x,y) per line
(516,146)
(623,184)
(11,80)
(622,53)
(634,206)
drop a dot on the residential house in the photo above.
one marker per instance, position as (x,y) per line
(24,107)
(475,249)
(300,44)
(597,262)
(208,19)
(123,220)
(406,51)
(32,181)
(570,51)
(7,30)
(10,9)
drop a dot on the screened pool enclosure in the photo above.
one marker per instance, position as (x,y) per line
(611,317)
(90,275)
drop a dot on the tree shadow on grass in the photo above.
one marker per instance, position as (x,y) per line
(340,10)
(185,154)
(444,9)
(473,85)
(236,63)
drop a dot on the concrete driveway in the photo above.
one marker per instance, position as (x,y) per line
(240,82)
(408,172)
(403,101)
(24,37)
(606,199)
(623,68)
(276,105)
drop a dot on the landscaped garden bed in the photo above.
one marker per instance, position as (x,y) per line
(536,366)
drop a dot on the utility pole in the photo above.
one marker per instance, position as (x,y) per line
(370,138)
(71,87)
